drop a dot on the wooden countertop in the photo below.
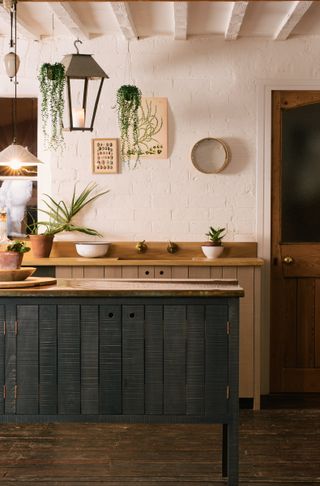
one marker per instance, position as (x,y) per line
(174,262)
(131,288)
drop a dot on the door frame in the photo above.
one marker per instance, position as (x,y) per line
(263,198)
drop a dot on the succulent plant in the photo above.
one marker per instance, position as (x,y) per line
(215,235)
(18,247)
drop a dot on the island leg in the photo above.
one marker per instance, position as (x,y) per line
(224,450)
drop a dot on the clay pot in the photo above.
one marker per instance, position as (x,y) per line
(41,245)
(10,260)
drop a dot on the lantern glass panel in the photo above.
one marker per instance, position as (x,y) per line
(83,98)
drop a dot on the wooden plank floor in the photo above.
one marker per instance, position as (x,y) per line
(277,447)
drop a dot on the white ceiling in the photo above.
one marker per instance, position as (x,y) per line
(180,20)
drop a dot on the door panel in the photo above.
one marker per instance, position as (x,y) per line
(295,248)
(68,359)
(305,323)
(10,360)
(48,365)
(27,395)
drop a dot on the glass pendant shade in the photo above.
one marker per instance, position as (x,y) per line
(11,64)
(14,155)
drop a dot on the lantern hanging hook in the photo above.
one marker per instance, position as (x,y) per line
(78,41)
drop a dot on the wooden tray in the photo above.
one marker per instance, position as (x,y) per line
(29,282)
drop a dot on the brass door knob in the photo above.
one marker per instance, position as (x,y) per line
(288,260)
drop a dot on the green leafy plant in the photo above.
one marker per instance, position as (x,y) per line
(52,81)
(47,228)
(61,214)
(215,236)
(18,247)
(128,103)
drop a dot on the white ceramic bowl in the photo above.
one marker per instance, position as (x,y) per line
(92,249)
(212,251)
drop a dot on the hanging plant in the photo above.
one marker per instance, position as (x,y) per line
(128,103)
(52,81)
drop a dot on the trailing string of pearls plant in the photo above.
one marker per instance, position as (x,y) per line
(128,104)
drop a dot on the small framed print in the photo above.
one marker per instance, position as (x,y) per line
(105,155)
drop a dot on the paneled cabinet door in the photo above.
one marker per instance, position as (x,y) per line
(19,359)
(110,358)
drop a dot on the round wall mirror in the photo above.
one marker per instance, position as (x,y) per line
(210,155)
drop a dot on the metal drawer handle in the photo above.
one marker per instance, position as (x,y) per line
(288,260)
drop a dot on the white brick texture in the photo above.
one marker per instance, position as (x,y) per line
(211,89)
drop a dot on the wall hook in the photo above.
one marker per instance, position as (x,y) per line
(78,41)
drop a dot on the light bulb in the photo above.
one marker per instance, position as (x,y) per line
(15,164)
(11,63)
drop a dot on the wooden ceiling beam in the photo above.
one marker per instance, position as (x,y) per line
(23,30)
(180,10)
(122,12)
(236,20)
(69,19)
(292,18)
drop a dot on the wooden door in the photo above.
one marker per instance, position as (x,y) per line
(295,248)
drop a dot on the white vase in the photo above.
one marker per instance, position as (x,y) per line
(212,251)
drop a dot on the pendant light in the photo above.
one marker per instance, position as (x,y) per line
(15,156)
(82,72)
(12,60)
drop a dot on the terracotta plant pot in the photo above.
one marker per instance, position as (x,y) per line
(10,260)
(41,245)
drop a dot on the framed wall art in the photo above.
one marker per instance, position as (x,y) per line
(152,129)
(105,156)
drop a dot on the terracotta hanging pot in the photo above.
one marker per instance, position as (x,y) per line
(41,245)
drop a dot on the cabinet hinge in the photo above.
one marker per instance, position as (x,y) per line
(16,327)
(228,327)
(228,392)
(4,328)
(4,392)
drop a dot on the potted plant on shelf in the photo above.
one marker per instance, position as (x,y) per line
(213,247)
(11,258)
(128,103)
(41,237)
(61,218)
(52,81)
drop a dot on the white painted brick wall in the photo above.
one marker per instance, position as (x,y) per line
(211,89)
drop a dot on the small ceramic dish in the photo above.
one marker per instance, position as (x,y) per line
(92,249)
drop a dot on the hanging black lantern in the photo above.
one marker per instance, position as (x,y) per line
(84,80)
